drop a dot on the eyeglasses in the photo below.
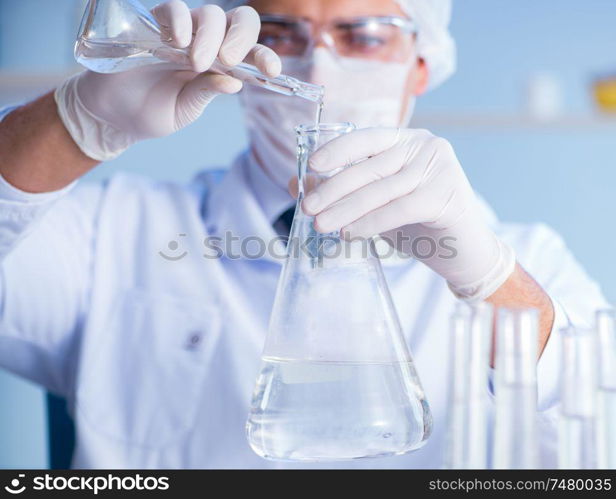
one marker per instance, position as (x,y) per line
(377,38)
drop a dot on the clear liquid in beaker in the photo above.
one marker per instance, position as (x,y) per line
(310,411)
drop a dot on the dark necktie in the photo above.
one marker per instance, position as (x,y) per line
(283,224)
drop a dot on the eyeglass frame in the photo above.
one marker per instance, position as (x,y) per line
(406,24)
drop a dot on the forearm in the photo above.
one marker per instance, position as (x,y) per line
(520,290)
(37,154)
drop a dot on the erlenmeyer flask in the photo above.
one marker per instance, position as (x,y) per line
(337,380)
(118,35)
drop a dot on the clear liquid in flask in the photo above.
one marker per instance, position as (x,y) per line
(312,411)
(110,56)
(119,35)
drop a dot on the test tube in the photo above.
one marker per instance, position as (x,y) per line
(471,329)
(578,420)
(515,387)
(606,395)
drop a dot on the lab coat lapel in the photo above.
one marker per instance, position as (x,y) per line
(234,214)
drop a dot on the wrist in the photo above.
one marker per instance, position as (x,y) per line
(502,268)
(43,157)
(470,257)
(95,137)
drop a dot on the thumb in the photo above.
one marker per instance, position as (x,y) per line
(199,92)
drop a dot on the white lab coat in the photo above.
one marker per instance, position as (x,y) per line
(158,358)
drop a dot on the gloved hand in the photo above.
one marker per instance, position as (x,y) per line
(106,113)
(408,186)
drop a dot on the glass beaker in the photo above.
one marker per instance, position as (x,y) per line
(337,380)
(118,35)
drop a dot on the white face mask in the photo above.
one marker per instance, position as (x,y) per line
(365,93)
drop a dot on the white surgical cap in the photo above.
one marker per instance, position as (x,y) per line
(435,44)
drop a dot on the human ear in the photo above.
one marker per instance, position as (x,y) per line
(421,71)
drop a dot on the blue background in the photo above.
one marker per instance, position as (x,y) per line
(561,173)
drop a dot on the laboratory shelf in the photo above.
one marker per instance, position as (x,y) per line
(497,122)
(16,84)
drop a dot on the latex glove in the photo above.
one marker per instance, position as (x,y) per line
(408,186)
(106,113)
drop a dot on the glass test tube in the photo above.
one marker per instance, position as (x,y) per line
(578,421)
(606,395)
(515,433)
(467,432)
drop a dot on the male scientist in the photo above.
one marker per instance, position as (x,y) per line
(155,347)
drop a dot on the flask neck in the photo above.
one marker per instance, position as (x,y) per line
(322,250)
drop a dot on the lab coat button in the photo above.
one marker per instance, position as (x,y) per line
(194,340)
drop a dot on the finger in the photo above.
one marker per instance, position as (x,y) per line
(406,210)
(243,26)
(199,92)
(364,143)
(353,178)
(352,147)
(175,23)
(214,82)
(359,203)
(209,23)
(266,60)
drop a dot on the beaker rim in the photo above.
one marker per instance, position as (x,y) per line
(311,128)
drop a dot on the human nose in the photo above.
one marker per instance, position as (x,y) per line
(322,64)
